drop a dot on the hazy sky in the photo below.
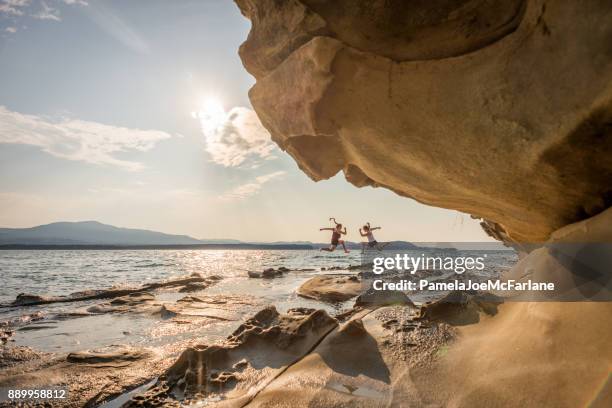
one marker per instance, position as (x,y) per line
(135,113)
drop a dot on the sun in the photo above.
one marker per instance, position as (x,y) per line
(211,114)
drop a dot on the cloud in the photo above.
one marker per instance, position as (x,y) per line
(13,7)
(250,189)
(75,139)
(239,137)
(19,10)
(47,13)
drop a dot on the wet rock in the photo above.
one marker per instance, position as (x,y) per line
(24,299)
(268,273)
(330,288)
(133,298)
(335,268)
(138,302)
(250,357)
(191,306)
(193,287)
(114,357)
(23,319)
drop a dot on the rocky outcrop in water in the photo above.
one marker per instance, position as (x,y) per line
(502,110)
(268,273)
(192,283)
(330,288)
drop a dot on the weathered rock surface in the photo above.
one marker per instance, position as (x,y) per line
(91,377)
(366,362)
(330,288)
(233,372)
(502,110)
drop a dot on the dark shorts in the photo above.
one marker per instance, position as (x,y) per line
(335,243)
(372,244)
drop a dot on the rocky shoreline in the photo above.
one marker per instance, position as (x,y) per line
(230,372)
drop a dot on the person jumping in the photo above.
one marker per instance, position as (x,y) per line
(336,235)
(366,231)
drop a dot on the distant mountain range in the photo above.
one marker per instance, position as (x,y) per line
(95,233)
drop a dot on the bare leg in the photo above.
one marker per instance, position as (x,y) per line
(330,249)
(346,251)
(363,247)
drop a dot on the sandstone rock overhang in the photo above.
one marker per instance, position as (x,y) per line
(502,110)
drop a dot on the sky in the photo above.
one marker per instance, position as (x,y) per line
(136,114)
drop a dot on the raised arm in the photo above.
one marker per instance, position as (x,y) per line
(374,228)
(361,233)
(326,229)
(344,231)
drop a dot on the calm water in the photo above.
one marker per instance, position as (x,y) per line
(63,272)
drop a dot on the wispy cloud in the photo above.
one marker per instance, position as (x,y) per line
(47,12)
(13,7)
(252,188)
(20,10)
(239,137)
(75,139)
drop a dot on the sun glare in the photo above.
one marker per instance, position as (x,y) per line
(211,114)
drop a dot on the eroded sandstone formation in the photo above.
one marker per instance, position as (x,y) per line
(498,109)
(232,373)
